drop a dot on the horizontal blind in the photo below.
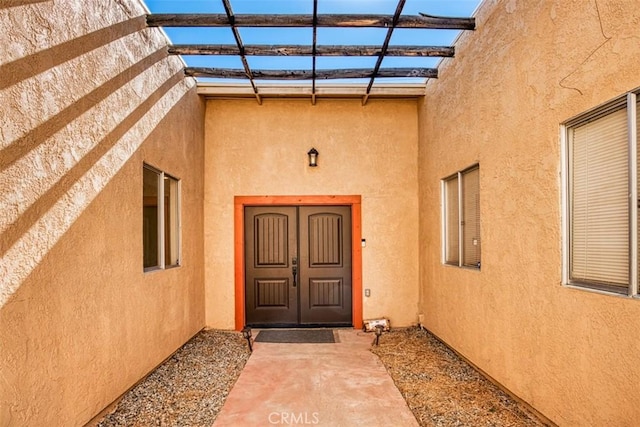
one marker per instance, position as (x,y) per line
(451,221)
(637,203)
(171,222)
(471,219)
(599,201)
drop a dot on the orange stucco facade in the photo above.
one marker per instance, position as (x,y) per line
(528,67)
(89,95)
(261,150)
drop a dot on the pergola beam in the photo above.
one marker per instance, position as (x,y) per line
(312,21)
(314,49)
(305,50)
(385,46)
(352,73)
(236,34)
(327,20)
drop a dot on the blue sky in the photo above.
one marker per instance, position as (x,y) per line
(303,36)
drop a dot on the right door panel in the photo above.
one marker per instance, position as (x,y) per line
(325,265)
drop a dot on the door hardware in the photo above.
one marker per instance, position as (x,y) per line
(294,269)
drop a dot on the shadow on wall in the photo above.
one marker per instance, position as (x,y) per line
(24,68)
(14,3)
(48,179)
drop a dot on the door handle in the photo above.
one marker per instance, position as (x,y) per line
(294,270)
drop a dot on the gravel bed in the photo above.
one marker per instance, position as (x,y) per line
(441,389)
(189,388)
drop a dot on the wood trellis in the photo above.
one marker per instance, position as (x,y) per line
(314,21)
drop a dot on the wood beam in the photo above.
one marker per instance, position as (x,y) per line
(385,46)
(314,50)
(353,73)
(300,50)
(236,34)
(327,20)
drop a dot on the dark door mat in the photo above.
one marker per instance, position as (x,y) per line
(297,336)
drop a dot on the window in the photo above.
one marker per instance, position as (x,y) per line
(461,213)
(160,219)
(601,198)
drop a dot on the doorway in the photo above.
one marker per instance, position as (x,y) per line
(298,266)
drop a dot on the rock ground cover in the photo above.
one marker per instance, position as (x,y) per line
(189,388)
(441,389)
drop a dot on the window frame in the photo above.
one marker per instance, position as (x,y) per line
(161,220)
(628,102)
(459,176)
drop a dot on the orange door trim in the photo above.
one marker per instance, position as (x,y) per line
(356,235)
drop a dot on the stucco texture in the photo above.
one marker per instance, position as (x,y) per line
(371,151)
(88,94)
(528,67)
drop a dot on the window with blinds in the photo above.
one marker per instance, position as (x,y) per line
(601,181)
(452,221)
(461,213)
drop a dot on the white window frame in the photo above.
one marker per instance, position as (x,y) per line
(461,231)
(628,102)
(161,220)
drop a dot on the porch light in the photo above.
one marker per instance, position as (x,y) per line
(313,157)
(246,333)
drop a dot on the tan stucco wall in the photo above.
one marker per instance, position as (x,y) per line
(371,151)
(530,65)
(87,95)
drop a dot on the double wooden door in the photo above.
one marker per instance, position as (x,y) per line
(298,265)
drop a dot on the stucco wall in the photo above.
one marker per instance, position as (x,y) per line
(530,65)
(87,95)
(370,151)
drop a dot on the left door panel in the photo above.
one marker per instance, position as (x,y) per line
(271,257)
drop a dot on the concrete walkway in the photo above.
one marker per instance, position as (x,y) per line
(341,384)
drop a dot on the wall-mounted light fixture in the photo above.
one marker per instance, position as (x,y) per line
(313,157)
